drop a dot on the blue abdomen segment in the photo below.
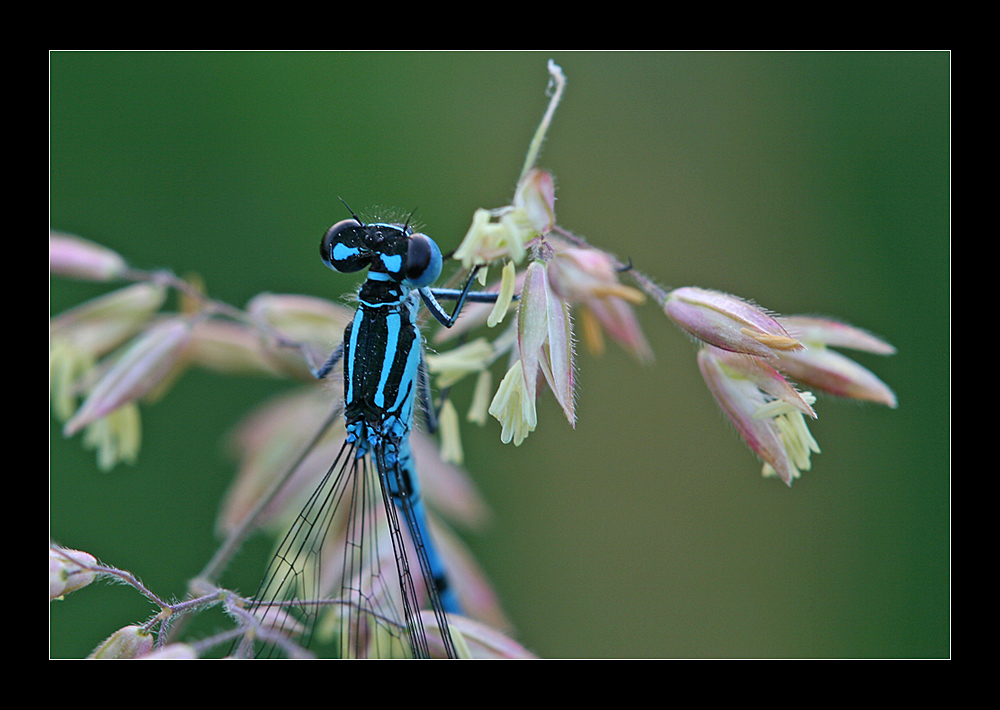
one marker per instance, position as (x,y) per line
(403,486)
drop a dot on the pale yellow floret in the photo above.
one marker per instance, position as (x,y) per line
(451,439)
(506,295)
(513,407)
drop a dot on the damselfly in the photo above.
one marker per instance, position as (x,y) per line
(384,571)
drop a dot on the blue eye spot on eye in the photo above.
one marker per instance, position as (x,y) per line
(342,252)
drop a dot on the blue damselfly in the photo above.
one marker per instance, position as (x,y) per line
(385,569)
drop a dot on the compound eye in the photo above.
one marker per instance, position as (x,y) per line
(344,247)
(423,261)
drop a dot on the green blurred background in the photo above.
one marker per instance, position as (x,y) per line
(809,182)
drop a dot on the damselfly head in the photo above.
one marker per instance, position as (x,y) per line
(391,249)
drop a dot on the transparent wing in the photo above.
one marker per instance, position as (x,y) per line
(345,581)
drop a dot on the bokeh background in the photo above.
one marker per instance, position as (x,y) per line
(809,182)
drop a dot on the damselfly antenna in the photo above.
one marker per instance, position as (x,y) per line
(356,218)
(406,225)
